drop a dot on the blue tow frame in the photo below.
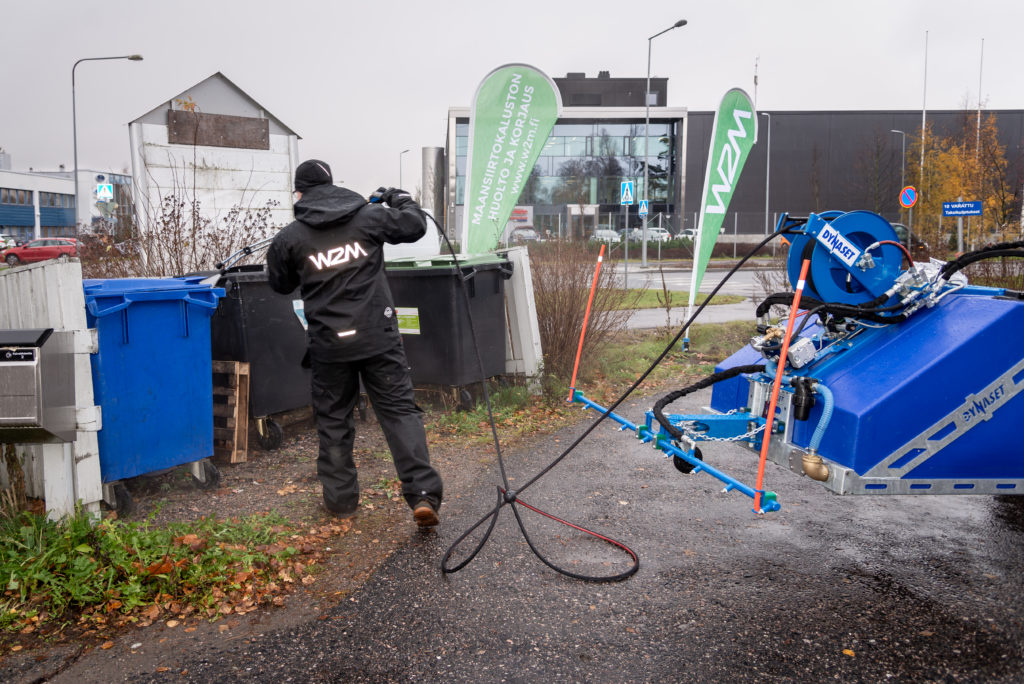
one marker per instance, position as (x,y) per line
(719,426)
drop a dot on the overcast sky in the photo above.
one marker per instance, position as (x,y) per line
(362,81)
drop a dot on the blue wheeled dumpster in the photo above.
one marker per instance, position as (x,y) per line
(152,374)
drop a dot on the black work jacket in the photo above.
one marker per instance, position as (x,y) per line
(334,252)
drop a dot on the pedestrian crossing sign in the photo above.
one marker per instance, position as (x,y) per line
(643,207)
(626,193)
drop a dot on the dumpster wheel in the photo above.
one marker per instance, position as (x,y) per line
(211,476)
(269,434)
(123,502)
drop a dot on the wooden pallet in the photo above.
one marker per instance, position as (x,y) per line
(231,410)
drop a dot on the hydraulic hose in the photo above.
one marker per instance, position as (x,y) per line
(868,311)
(1010,249)
(660,405)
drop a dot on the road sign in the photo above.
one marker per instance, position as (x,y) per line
(961,208)
(908,196)
(105,191)
(626,193)
(643,207)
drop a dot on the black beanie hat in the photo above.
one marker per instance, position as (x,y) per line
(311,173)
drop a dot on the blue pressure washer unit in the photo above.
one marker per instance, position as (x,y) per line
(909,380)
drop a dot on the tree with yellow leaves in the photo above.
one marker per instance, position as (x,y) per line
(971,165)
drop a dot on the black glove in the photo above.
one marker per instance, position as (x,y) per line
(396,198)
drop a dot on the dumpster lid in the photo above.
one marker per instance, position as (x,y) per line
(119,286)
(447,261)
(33,337)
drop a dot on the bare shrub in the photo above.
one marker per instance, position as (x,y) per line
(178,241)
(772,279)
(562,276)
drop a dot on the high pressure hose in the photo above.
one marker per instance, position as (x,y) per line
(508,496)
(505,495)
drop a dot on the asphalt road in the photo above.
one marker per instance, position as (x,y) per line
(743,283)
(854,589)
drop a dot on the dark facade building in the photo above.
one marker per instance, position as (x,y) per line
(841,160)
(604,91)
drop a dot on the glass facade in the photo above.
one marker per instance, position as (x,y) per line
(585,164)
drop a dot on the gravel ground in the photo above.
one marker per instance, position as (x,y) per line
(855,589)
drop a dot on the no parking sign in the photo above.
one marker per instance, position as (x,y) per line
(908,196)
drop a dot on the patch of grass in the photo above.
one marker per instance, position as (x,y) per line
(603,376)
(650,299)
(505,402)
(114,572)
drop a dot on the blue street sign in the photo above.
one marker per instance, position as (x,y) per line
(643,207)
(626,193)
(961,208)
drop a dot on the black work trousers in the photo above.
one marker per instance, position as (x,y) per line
(389,386)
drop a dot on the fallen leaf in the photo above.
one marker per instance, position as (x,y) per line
(172,623)
(848,652)
(106,645)
(18,648)
(162,669)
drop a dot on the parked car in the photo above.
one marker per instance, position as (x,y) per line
(688,234)
(654,234)
(609,236)
(523,234)
(41,250)
(918,247)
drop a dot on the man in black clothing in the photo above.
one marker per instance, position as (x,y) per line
(334,252)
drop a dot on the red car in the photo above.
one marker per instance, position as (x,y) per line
(41,250)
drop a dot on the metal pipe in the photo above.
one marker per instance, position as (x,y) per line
(647,136)
(74,119)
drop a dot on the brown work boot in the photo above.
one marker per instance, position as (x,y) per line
(424,513)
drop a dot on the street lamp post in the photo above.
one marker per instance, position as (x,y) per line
(74,123)
(767,170)
(647,135)
(903,170)
(400,167)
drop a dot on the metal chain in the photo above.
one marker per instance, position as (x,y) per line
(738,438)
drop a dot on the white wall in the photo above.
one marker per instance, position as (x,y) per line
(219,177)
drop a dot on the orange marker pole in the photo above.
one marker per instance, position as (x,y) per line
(586,318)
(779,372)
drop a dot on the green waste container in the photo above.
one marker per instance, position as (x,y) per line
(434,322)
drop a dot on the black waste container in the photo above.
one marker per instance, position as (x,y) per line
(434,323)
(256,325)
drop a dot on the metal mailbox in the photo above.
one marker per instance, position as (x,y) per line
(37,386)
